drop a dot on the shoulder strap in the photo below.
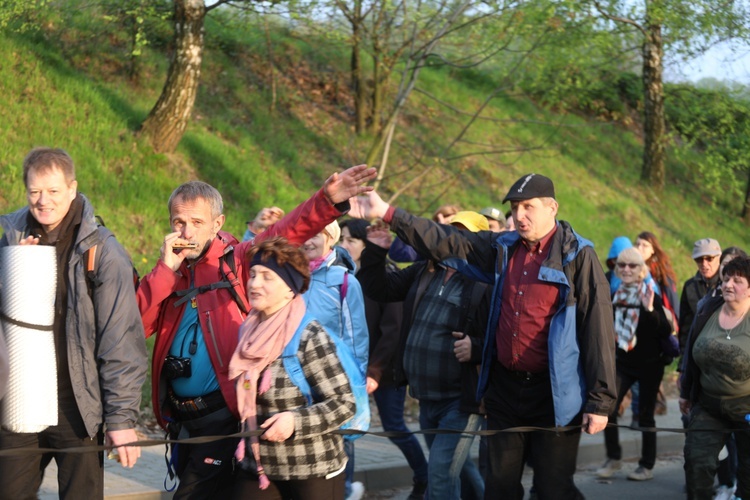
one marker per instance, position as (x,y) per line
(291,361)
(227,260)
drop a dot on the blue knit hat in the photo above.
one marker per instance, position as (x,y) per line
(618,245)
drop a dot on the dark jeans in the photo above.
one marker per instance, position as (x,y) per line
(79,475)
(206,470)
(513,402)
(649,378)
(390,402)
(315,488)
(349,469)
(702,453)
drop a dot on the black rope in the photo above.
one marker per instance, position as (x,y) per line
(22,324)
(384,434)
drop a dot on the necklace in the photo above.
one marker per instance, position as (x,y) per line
(728,331)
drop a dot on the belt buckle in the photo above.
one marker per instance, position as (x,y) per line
(199,403)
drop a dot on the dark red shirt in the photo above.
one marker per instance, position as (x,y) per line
(526,310)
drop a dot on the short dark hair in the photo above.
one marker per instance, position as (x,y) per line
(194,190)
(357,228)
(733,251)
(284,253)
(739,266)
(46,159)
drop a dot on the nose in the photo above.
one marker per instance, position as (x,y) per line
(187,232)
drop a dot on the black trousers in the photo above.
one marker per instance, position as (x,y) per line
(79,475)
(314,488)
(207,470)
(649,378)
(512,402)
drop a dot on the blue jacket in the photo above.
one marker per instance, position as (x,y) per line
(341,313)
(581,338)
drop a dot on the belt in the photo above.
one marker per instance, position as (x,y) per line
(523,375)
(192,408)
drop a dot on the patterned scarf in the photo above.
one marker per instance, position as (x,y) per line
(627,305)
(261,343)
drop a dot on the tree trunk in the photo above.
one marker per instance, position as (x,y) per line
(746,207)
(358,84)
(378,83)
(653,122)
(167,121)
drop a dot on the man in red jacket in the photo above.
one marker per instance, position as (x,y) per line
(194,300)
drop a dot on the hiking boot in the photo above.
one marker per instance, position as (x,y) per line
(609,468)
(418,491)
(641,474)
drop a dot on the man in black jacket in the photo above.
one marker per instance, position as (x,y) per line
(706,253)
(548,358)
(438,303)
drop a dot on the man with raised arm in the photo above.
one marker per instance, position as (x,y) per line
(194,300)
(548,357)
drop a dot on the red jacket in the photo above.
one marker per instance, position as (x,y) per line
(220,317)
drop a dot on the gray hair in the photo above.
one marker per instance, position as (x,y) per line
(194,190)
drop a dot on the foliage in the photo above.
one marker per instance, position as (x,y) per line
(717,123)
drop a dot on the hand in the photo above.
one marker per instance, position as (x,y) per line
(647,299)
(29,240)
(279,427)
(462,347)
(128,454)
(171,259)
(594,423)
(685,406)
(341,187)
(379,235)
(370,206)
(372,385)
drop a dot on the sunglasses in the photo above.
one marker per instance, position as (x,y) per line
(623,265)
(706,258)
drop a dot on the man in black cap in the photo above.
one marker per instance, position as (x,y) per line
(549,348)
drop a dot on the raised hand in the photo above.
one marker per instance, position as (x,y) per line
(171,259)
(647,299)
(368,206)
(378,234)
(349,183)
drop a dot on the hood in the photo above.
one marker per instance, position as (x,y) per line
(618,245)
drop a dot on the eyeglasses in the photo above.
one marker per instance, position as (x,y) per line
(706,258)
(631,265)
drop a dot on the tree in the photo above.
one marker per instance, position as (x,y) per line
(684,26)
(166,123)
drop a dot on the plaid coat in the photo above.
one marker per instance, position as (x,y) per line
(312,451)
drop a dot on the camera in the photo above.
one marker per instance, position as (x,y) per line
(175,367)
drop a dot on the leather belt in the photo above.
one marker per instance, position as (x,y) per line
(191,408)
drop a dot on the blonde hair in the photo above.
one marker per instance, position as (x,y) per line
(631,256)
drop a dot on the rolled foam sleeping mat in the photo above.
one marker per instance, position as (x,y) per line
(28,277)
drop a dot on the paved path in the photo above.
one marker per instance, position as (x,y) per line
(382,468)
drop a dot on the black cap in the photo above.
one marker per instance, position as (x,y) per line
(531,186)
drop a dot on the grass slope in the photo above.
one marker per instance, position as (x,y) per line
(66,94)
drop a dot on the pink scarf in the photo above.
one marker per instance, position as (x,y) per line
(316,263)
(261,343)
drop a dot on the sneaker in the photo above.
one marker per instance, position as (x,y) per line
(724,492)
(641,474)
(609,468)
(418,491)
(358,491)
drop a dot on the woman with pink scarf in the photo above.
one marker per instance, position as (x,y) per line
(295,456)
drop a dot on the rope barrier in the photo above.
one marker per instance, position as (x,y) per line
(384,434)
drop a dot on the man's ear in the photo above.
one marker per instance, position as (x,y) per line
(219,223)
